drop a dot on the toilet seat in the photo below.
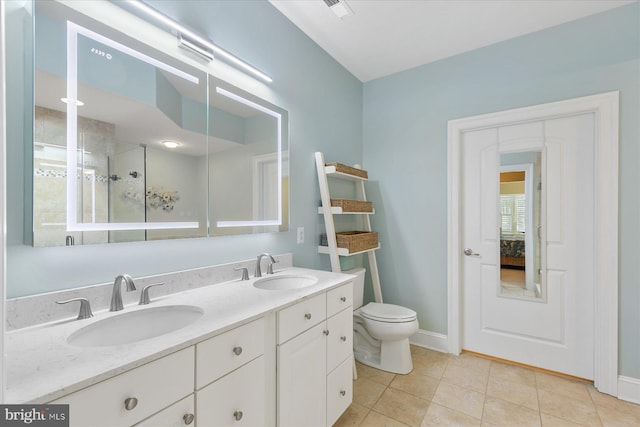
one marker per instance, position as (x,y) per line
(388,313)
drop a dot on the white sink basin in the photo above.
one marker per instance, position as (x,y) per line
(135,326)
(285,282)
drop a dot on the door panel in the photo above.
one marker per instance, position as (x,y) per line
(555,332)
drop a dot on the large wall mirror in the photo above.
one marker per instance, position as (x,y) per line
(133,144)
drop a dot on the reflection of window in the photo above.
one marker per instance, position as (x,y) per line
(512,213)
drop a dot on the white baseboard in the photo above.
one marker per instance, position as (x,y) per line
(430,340)
(629,389)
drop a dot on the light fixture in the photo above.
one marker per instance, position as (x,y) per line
(171,144)
(339,7)
(194,47)
(195,37)
(78,102)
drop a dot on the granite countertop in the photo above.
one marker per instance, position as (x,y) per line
(41,366)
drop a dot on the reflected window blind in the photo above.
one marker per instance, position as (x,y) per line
(512,212)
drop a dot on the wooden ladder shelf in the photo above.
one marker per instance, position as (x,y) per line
(328,211)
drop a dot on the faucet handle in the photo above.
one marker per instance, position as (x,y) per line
(144,295)
(85,307)
(270,266)
(245,272)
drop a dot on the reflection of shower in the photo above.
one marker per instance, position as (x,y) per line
(126,189)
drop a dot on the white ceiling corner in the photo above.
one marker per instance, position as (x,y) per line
(383,37)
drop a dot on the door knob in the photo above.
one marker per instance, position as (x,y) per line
(469,252)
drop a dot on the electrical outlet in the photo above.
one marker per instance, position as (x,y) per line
(300,235)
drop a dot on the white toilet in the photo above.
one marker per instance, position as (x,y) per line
(381,331)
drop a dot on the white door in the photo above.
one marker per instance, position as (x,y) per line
(554,328)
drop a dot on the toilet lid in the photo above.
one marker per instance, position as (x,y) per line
(387,312)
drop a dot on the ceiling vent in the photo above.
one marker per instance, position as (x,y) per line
(339,7)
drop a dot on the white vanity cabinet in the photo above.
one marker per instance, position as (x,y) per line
(129,398)
(227,372)
(179,414)
(314,359)
(231,378)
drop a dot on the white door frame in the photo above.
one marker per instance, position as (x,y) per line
(605,107)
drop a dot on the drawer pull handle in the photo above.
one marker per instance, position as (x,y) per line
(238,415)
(342,392)
(188,418)
(343,299)
(237,350)
(343,338)
(307,316)
(326,332)
(130,403)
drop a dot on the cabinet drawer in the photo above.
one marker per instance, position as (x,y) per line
(238,399)
(224,353)
(340,338)
(176,415)
(340,298)
(300,317)
(339,390)
(155,385)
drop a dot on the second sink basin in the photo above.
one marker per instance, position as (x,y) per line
(285,283)
(135,326)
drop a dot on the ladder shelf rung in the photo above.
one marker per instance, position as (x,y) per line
(345,251)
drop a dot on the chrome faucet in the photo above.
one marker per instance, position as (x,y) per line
(258,272)
(116,296)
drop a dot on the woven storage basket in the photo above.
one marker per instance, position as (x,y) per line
(350,170)
(354,241)
(349,205)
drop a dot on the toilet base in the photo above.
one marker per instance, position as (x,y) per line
(390,356)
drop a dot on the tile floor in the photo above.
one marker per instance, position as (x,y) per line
(444,390)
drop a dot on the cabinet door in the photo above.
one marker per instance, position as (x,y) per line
(339,390)
(302,379)
(340,298)
(300,317)
(148,389)
(180,414)
(220,355)
(237,399)
(340,338)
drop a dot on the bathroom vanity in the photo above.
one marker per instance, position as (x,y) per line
(262,352)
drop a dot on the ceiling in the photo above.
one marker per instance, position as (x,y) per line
(383,37)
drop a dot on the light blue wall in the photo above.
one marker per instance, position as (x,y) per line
(325,113)
(405,149)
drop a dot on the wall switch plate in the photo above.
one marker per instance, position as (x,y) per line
(300,235)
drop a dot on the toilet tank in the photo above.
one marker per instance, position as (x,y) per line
(358,286)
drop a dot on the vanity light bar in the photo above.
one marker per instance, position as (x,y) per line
(195,48)
(143,7)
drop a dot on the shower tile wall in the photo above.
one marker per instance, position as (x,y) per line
(95,139)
